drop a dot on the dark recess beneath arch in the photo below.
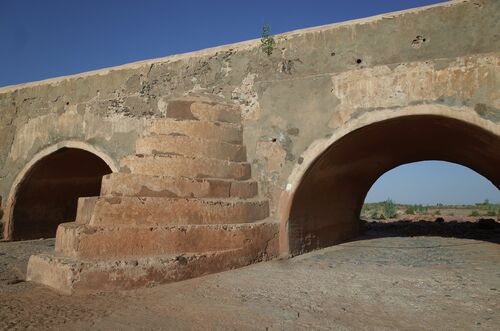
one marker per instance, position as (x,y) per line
(326,206)
(49,194)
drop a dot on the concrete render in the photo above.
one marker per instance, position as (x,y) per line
(319,118)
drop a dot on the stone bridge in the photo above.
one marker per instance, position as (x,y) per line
(176,167)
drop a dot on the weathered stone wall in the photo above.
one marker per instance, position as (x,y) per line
(315,82)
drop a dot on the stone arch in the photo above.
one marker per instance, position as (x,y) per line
(324,194)
(83,151)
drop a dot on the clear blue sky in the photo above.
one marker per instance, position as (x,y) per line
(49,38)
(432,182)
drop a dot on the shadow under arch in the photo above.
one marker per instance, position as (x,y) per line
(325,205)
(45,193)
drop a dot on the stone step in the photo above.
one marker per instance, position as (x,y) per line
(85,209)
(231,133)
(190,146)
(69,275)
(154,211)
(178,165)
(121,184)
(203,111)
(88,242)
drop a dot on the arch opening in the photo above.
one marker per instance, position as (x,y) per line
(49,192)
(325,208)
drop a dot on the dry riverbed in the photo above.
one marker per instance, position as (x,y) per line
(384,280)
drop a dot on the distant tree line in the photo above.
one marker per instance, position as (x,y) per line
(389,209)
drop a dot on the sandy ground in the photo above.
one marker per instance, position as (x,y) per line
(381,281)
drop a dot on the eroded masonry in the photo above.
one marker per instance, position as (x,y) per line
(172,168)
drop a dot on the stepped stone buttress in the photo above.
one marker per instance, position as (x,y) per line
(183,206)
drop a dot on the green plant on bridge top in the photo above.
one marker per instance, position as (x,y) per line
(267,42)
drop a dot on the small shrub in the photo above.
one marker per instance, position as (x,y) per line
(437,212)
(474,213)
(419,209)
(410,210)
(389,208)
